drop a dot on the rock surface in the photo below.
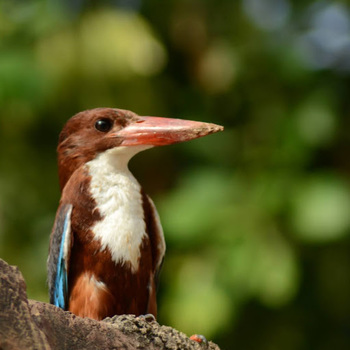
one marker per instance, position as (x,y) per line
(29,324)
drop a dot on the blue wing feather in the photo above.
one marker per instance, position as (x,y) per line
(59,257)
(61,281)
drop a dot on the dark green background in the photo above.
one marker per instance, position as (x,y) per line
(256,218)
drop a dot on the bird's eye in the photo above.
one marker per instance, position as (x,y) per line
(103,125)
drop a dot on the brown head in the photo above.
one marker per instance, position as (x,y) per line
(94,131)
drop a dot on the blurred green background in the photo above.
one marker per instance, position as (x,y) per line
(257,219)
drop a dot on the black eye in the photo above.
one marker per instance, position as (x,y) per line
(103,125)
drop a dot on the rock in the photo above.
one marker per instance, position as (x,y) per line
(29,324)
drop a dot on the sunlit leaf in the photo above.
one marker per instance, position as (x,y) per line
(320,209)
(197,304)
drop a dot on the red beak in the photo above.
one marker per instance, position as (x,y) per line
(158,131)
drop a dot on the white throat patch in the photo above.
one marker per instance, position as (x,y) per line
(119,201)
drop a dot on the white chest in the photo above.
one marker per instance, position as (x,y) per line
(118,197)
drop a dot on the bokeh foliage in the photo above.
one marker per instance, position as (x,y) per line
(257,218)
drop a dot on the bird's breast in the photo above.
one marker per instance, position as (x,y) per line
(118,199)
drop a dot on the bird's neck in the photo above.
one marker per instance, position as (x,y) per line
(119,201)
(116,160)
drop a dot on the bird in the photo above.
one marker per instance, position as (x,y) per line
(107,243)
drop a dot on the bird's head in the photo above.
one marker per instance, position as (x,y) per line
(90,133)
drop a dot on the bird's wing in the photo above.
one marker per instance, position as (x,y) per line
(59,254)
(156,237)
(155,231)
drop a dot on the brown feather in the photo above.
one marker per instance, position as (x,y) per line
(125,292)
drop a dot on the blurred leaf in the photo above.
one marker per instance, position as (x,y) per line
(197,304)
(320,209)
(316,120)
(195,207)
(97,49)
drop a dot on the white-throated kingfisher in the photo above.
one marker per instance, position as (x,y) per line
(107,243)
